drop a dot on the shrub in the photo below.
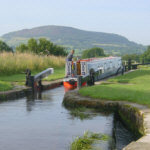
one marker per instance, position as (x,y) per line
(93,52)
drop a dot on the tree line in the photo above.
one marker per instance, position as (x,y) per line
(93,52)
(37,46)
(5,47)
(46,47)
(42,46)
(141,58)
(99,52)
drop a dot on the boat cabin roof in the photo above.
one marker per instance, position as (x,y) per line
(97,59)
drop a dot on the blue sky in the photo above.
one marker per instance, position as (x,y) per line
(130,18)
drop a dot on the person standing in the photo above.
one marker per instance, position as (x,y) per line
(70,55)
(69,64)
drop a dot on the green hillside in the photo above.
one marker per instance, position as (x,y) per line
(76,39)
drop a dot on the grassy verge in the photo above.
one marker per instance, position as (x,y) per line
(4,86)
(132,87)
(7,81)
(59,73)
(87,141)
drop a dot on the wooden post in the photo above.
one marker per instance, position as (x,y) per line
(122,70)
(40,85)
(129,64)
(143,61)
(31,81)
(125,68)
(79,82)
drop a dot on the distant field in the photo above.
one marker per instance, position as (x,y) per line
(112,45)
(17,40)
(132,87)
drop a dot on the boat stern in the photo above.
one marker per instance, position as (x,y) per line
(70,83)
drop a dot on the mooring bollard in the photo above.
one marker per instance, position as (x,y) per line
(79,82)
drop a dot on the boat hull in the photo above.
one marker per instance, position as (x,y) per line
(70,84)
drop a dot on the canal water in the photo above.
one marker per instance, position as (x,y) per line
(41,122)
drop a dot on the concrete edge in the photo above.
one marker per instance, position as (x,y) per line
(136,116)
(18,93)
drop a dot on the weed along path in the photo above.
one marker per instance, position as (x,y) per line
(128,96)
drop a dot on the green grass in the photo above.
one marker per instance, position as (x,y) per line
(59,73)
(132,87)
(87,141)
(13,78)
(5,86)
(7,81)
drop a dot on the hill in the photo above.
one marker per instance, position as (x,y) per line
(76,39)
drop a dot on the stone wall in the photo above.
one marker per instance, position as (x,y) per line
(135,116)
(23,90)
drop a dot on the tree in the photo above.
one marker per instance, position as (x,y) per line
(93,52)
(22,48)
(42,46)
(5,47)
(134,57)
(32,45)
(45,46)
(146,55)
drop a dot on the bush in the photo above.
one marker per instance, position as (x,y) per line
(134,57)
(93,52)
(5,47)
(146,55)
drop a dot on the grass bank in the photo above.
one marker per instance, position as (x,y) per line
(13,66)
(7,82)
(132,87)
(4,86)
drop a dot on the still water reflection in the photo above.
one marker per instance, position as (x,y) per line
(44,124)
